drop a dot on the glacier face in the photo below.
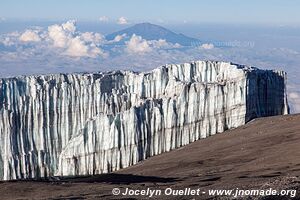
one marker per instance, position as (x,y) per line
(83,124)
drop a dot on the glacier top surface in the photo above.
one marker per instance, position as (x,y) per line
(230,65)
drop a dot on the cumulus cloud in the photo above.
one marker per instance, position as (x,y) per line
(6,41)
(103,19)
(161,43)
(58,39)
(207,46)
(76,48)
(58,35)
(69,26)
(96,38)
(122,20)
(118,38)
(30,36)
(137,44)
(10,39)
(75,44)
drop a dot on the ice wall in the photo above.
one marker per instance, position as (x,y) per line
(82,124)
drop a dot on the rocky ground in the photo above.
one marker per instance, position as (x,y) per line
(263,154)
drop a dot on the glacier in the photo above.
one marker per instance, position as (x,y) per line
(93,123)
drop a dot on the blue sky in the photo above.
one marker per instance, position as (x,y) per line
(220,11)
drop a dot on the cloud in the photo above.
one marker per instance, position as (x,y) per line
(207,46)
(76,48)
(30,36)
(137,44)
(95,38)
(58,35)
(74,43)
(118,38)
(162,43)
(57,40)
(6,41)
(61,34)
(159,43)
(122,20)
(103,19)
(10,39)
(69,26)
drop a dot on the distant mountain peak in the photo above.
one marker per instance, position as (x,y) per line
(150,31)
(149,26)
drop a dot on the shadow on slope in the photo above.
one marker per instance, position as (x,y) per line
(106,178)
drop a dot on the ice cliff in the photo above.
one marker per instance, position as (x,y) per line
(81,124)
